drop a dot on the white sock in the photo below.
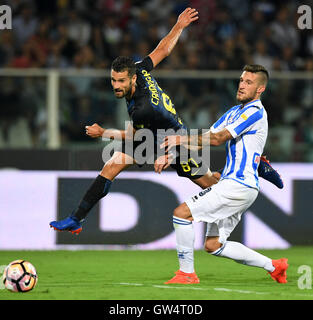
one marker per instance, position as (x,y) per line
(185,237)
(244,255)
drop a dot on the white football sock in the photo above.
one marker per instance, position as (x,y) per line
(185,237)
(244,255)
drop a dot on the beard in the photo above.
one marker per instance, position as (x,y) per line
(123,93)
(246,98)
(119,94)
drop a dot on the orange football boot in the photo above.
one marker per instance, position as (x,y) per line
(280,272)
(184,278)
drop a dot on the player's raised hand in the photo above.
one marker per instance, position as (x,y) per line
(166,45)
(187,16)
(94,131)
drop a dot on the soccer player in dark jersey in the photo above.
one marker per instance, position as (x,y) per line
(149,107)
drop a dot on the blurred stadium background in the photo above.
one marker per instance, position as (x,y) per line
(54,74)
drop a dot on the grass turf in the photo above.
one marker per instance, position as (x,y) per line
(140,275)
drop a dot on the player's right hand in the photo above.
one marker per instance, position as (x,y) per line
(187,16)
(94,131)
(163,162)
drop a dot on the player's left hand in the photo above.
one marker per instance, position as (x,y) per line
(187,16)
(163,162)
(94,131)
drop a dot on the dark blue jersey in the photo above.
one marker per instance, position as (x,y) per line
(150,107)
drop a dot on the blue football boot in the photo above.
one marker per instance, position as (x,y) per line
(71,224)
(267,172)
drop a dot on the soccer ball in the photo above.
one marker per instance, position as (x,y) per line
(20,276)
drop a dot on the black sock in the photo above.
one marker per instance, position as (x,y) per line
(99,188)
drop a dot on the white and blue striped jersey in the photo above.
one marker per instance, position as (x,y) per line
(248,126)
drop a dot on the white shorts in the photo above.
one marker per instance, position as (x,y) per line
(221,206)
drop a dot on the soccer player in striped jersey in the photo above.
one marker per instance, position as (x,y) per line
(243,129)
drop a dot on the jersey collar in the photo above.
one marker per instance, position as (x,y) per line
(256,103)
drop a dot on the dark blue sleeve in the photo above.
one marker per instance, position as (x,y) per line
(145,64)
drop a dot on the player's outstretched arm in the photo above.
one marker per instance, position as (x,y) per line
(207,139)
(95,131)
(166,45)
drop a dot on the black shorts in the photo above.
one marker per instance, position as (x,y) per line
(192,166)
(188,164)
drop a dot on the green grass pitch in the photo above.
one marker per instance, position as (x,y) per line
(140,275)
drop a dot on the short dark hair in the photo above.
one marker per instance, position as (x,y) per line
(256,68)
(121,64)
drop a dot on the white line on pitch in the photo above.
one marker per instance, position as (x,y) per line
(193,288)
(186,288)
(130,284)
(239,291)
(208,289)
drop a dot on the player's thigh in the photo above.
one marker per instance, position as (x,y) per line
(117,163)
(220,201)
(205,204)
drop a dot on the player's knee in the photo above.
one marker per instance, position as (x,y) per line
(212,245)
(179,212)
(182,212)
(111,170)
(108,171)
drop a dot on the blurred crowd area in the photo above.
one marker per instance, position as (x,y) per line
(84,34)
(90,33)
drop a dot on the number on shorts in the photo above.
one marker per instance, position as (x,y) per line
(186,166)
